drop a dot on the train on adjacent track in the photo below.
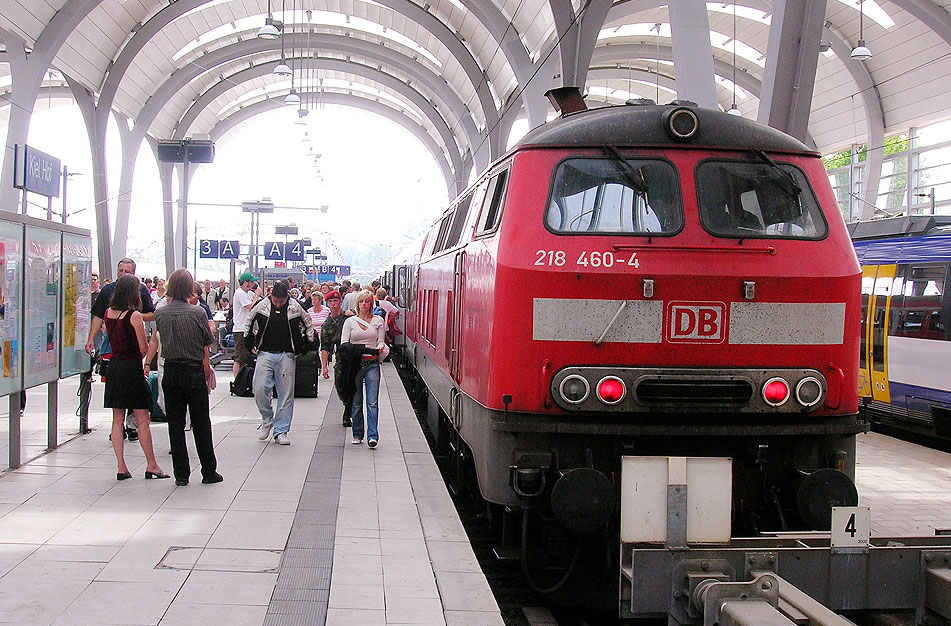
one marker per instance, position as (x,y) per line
(904,384)
(632,281)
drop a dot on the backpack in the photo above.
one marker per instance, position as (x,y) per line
(243,382)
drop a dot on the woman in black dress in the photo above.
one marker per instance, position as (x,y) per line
(125,379)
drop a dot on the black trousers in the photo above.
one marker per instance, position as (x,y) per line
(184,385)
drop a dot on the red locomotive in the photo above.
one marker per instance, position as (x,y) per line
(639,280)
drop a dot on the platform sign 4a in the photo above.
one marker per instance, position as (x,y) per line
(294,251)
(274,251)
(850,527)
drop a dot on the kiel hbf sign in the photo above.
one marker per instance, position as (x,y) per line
(37,172)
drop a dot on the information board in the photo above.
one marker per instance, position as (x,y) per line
(11,294)
(76,304)
(41,286)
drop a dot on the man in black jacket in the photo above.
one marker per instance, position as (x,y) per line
(277,332)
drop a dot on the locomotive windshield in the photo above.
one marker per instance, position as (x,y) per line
(744,199)
(615,196)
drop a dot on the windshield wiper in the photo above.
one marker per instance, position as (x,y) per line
(785,179)
(634,176)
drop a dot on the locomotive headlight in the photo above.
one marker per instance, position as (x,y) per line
(809,391)
(776,391)
(681,123)
(574,389)
(611,390)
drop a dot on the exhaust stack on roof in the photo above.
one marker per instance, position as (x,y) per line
(566,100)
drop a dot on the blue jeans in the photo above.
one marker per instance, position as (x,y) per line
(275,370)
(369,374)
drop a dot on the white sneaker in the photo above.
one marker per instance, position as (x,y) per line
(356,441)
(265,428)
(371,443)
(282,439)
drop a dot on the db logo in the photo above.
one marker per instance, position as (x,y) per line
(696,322)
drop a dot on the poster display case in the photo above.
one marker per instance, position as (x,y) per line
(41,344)
(11,294)
(76,303)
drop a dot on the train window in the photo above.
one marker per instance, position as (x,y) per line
(747,199)
(459,221)
(605,196)
(923,292)
(492,206)
(444,224)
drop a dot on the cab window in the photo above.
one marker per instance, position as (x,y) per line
(753,199)
(606,195)
(492,206)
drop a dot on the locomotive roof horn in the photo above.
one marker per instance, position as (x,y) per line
(566,100)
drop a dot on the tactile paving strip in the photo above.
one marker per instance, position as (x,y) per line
(302,592)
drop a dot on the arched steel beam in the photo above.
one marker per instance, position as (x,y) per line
(930,14)
(511,45)
(622,53)
(212,60)
(577,36)
(470,66)
(265,69)
(379,108)
(645,75)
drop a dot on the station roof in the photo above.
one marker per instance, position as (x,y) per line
(192,67)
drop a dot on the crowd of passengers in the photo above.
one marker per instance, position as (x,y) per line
(157,338)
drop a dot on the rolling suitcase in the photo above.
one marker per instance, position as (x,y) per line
(306,375)
(243,385)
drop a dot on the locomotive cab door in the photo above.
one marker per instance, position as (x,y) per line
(875,354)
(457,297)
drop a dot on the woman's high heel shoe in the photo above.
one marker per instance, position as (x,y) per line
(123,475)
(149,475)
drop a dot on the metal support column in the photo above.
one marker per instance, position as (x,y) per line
(52,415)
(14,442)
(693,55)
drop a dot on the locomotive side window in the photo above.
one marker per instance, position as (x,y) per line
(747,199)
(459,221)
(492,207)
(608,196)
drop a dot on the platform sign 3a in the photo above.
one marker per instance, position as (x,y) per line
(217,249)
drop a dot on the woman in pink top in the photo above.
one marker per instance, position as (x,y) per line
(369,330)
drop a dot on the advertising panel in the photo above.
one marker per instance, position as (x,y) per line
(42,324)
(11,278)
(76,304)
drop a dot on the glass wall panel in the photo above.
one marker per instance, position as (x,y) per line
(77,293)
(41,282)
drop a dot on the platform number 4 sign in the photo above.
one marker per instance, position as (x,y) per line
(850,527)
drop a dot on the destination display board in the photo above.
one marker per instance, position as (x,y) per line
(11,294)
(76,303)
(41,345)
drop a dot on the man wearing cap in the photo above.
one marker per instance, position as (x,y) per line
(244,300)
(278,331)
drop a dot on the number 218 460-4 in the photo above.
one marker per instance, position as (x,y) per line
(588,258)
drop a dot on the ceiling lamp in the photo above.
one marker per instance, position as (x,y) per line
(860,52)
(292,98)
(733,109)
(282,69)
(269,30)
(306,138)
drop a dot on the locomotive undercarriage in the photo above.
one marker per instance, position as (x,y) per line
(551,490)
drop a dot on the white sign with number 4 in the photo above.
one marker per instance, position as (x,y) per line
(850,527)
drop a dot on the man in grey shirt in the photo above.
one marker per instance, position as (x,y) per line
(187,377)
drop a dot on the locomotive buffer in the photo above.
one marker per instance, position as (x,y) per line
(678,559)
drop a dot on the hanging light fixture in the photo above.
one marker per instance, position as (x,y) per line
(306,138)
(733,109)
(292,98)
(861,52)
(282,68)
(270,29)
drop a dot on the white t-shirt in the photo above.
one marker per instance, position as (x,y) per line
(356,330)
(242,299)
(350,301)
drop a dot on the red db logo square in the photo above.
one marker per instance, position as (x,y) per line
(696,322)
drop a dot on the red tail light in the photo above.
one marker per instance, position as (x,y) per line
(775,391)
(611,390)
